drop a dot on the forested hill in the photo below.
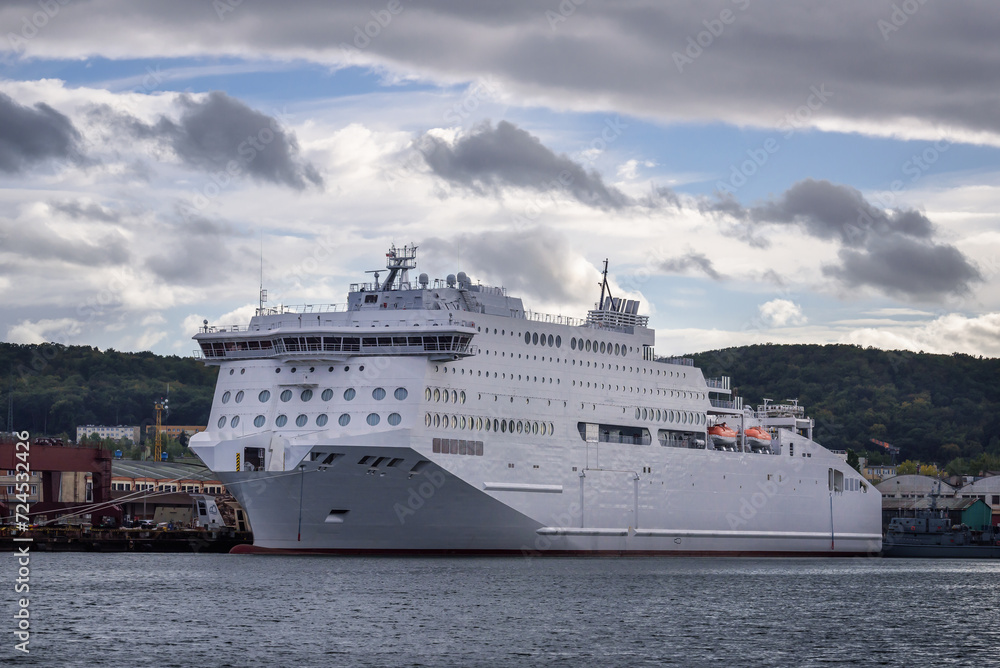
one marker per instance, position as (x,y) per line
(934,407)
(58,387)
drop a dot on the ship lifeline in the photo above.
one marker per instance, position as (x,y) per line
(442,417)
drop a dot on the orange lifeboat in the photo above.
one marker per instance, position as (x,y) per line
(722,435)
(758,437)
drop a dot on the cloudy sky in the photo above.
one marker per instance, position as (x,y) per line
(754,171)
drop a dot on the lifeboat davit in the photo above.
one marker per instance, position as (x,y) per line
(757,437)
(722,434)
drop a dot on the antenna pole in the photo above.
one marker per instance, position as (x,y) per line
(604,286)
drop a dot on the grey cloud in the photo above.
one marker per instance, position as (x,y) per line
(879,63)
(906,267)
(38,241)
(78,210)
(689,261)
(30,135)
(489,159)
(198,250)
(535,262)
(894,251)
(218,131)
(831,211)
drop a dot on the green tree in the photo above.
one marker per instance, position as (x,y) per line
(852,460)
(908,468)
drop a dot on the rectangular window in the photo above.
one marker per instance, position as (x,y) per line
(996,500)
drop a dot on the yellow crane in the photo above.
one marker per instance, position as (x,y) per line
(161,406)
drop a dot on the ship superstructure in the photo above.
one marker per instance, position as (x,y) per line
(443,417)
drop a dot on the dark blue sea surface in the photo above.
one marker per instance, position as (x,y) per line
(248,610)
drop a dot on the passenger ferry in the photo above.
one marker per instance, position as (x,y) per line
(442,417)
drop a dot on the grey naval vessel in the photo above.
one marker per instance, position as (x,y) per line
(442,417)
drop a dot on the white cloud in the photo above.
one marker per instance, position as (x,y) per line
(946,334)
(781,312)
(59,330)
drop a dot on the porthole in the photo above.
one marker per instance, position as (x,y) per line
(461,397)
(327,394)
(588,345)
(445,396)
(361,368)
(344,419)
(479,423)
(437,420)
(330,370)
(427,394)
(222,422)
(542,428)
(496,426)
(286,395)
(602,346)
(461,422)
(520,427)
(638,413)
(551,340)
(427,419)
(454,397)
(488,425)
(378,394)
(394,419)
(306,395)
(541,339)
(527,337)
(400,393)
(278,370)
(503,426)
(281,420)
(437,394)
(225,396)
(454,422)
(572,343)
(301,420)
(321,420)
(259,421)
(617,349)
(239,396)
(534,338)
(552,428)
(294,369)
(349,394)
(231,371)
(235,421)
(644,414)
(264,396)
(534,427)
(558,341)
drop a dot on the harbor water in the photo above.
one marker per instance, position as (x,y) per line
(228,610)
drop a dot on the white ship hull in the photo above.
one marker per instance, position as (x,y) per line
(381,429)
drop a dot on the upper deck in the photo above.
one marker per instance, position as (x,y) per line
(394,317)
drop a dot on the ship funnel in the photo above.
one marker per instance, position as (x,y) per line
(451,280)
(424,280)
